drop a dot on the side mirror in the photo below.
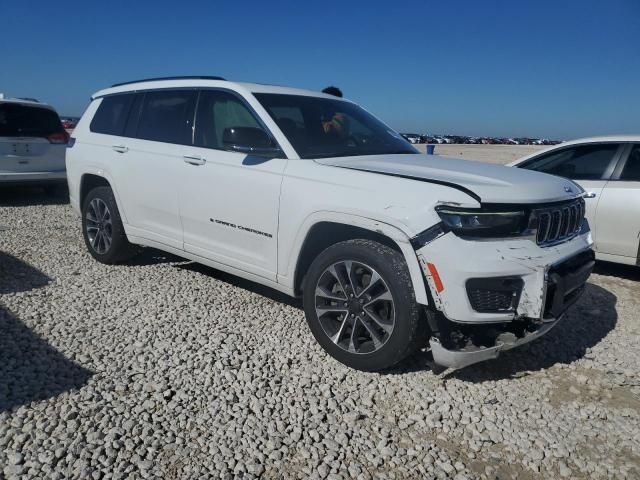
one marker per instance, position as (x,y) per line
(249,140)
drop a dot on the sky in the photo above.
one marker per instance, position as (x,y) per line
(545,68)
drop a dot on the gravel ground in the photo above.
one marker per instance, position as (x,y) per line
(163,368)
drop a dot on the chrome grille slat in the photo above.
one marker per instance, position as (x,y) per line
(559,223)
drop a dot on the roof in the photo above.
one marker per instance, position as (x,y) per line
(186,82)
(22,101)
(604,138)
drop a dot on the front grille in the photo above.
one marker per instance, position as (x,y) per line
(493,295)
(559,223)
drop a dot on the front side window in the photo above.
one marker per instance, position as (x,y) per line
(586,162)
(167,116)
(111,116)
(320,127)
(219,111)
(18,120)
(631,171)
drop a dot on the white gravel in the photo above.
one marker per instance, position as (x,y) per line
(167,369)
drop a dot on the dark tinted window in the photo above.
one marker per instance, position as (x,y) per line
(218,111)
(26,121)
(322,127)
(134,116)
(111,116)
(167,116)
(631,171)
(587,162)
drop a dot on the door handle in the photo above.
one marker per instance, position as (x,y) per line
(120,148)
(590,195)
(194,159)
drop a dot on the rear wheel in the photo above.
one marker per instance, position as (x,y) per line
(102,228)
(360,305)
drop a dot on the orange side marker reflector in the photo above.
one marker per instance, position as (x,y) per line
(437,281)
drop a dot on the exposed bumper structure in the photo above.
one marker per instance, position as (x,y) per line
(469,356)
(470,328)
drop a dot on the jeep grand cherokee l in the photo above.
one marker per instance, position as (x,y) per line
(311,195)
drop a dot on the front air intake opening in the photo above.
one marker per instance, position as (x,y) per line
(494,295)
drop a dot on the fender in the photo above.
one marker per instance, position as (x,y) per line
(389,231)
(99,172)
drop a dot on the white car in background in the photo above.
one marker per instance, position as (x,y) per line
(32,145)
(608,168)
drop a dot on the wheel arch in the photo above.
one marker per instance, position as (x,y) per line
(94,179)
(326,230)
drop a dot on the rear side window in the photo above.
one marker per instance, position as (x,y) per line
(631,171)
(586,162)
(18,120)
(167,116)
(111,116)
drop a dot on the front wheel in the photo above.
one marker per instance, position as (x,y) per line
(360,304)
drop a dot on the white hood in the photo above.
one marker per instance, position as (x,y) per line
(487,182)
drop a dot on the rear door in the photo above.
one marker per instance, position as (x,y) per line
(150,159)
(618,216)
(589,165)
(32,139)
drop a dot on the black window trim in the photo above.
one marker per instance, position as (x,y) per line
(608,172)
(622,162)
(151,90)
(198,90)
(129,120)
(251,110)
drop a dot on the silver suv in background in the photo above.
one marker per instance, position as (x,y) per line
(32,145)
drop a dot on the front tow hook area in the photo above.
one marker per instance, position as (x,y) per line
(475,354)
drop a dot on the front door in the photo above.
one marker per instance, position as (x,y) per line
(618,216)
(229,201)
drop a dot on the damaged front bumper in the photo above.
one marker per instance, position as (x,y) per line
(471,354)
(545,283)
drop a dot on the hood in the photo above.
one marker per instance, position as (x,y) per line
(485,182)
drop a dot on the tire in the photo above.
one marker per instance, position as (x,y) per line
(397,325)
(115,248)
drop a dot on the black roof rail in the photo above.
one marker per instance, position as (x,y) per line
(188,77)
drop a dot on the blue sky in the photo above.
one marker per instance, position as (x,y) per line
(560,69)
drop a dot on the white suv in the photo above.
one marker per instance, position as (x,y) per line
(32,144)
(311,195)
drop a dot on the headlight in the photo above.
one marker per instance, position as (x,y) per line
(483,223)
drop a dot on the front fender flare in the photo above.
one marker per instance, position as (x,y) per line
(399,237)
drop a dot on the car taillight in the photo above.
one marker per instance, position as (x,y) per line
(58,138)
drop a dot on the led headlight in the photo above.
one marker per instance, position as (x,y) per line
(483,222)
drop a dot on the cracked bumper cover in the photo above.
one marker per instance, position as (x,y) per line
(464,358)
(542,270)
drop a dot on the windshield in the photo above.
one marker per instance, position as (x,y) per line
(18,120)
(321,127)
